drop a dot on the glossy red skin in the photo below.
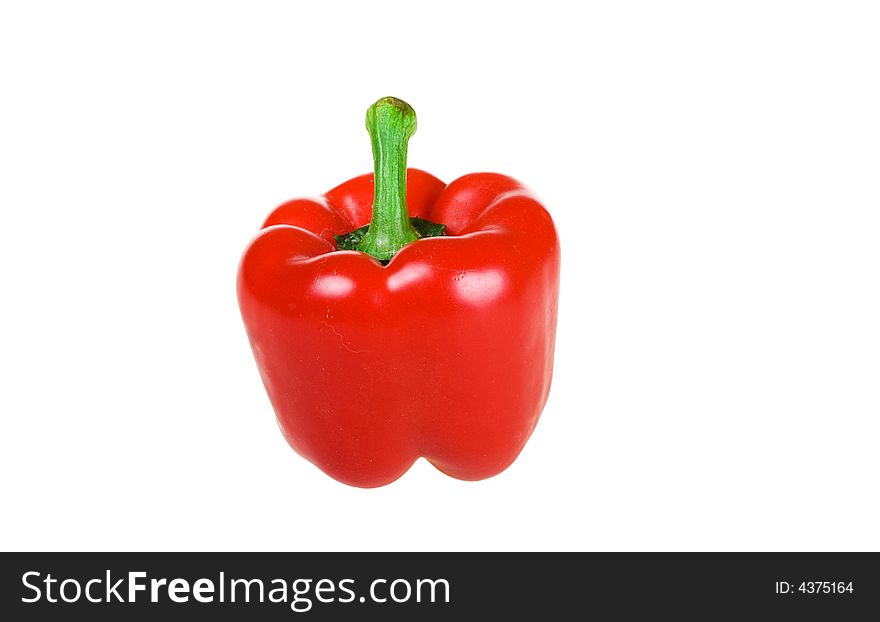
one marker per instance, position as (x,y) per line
(445,353)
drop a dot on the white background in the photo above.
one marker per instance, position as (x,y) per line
(712,169)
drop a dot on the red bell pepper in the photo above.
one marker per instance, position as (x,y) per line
(408,346)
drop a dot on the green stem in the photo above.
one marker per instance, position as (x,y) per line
(391,122)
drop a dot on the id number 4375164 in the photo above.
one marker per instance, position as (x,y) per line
(814,587)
